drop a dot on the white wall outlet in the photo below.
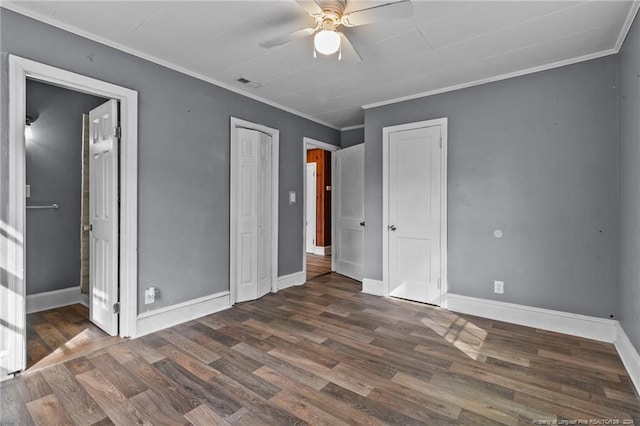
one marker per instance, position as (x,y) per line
(498,287)
(150,295)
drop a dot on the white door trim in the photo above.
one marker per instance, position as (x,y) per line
(275,172)
(14,256)
(386,131)
(307,202)
(310,143)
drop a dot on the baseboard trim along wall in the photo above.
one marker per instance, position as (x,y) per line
(286,281)
(371,286)
(595,328)
(53,299)
(629,355)
(322,251)
(151,321)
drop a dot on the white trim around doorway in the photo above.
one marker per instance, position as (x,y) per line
(235,201)
(21,69)
(310,143)
(386,131)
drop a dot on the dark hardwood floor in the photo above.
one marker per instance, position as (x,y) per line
(325,353)
(317,265)
(61,334)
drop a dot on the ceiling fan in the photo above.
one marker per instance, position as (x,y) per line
(329,15)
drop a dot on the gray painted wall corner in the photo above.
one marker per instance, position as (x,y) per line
(629,106)
(351,137)
(534,156)
(183,160)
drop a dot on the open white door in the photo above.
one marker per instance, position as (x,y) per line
(348,169)
(311,207)
(253,257)
(103,214)
(414,212)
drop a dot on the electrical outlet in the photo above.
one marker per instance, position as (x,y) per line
(150,295)
(498,287)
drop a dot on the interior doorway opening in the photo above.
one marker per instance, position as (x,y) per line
(318,208)
(14,300)
(57,225)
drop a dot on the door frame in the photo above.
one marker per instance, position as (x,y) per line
(308,144)
(21,69)
(314,166)
(386,132)
(235,199)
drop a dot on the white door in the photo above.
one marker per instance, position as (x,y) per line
(414,214)
(311,207)
(103,214)
(253,256)
(348,169)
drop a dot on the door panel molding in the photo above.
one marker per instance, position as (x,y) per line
(234,245)
(12,250)
(386,132)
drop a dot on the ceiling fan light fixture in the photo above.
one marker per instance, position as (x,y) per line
(327,42)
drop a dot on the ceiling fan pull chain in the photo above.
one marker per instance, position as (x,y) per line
(340,52)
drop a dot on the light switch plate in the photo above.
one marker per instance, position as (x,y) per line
(292,197)
(27,191)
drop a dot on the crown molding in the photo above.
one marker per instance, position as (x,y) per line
(359,126)
(506,76)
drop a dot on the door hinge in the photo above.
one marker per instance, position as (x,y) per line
(116,308)
(439,283)
(117,132)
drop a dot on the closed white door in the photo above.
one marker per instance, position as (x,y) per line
(103,216)
(348,169)
(311,208)
(253,256)
(414,214)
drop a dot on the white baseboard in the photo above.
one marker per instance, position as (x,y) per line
(150,321)
(286,281)
(53,299)
(84,299)
(322,251)
(629,355)
(370,286)
(595,328)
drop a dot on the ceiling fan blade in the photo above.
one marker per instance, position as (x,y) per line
(287,38)
(397,10)
(349,53)
(310,6)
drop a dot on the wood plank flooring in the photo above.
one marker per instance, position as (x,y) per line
(61,334)
(317,265)
(325,353)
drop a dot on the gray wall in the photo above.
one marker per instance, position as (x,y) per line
(629,58)
(183,208)
(54,171)
(535,156)
(351,137)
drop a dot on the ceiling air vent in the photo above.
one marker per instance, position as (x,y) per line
(249,83)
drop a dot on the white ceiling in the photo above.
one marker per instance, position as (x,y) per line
(445,44)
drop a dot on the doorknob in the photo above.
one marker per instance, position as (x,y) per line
(87,227)
(362,223)
(392,227)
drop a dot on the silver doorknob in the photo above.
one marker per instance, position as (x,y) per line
(392,227)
